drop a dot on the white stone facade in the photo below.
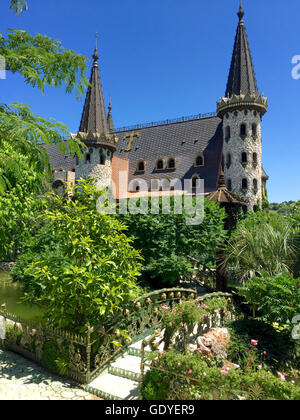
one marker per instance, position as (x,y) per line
(237,144)
(92,166)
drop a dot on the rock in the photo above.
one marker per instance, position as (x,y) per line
(214,343)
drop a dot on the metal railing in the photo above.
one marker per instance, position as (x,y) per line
(166,122)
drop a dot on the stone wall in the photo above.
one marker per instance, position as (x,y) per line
(93,169)
(236,145)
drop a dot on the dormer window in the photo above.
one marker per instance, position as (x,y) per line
(160,164)
(171,163)
(141,166)
(199,160)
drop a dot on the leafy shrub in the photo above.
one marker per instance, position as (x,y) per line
(277,298)
(176,376)
(280,348)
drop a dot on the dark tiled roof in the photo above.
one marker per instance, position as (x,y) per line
(184,141)
(59,160)
(94,116)
(241,78)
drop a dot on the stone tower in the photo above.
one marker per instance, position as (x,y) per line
(95,134)
(242,110)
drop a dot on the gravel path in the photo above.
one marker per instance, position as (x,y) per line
(21,379)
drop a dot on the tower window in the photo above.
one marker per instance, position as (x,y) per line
(160,164)
(102,159)
(243,130)
(254,159)
(228,160)
(229,185)
(254,129)
(245,184)
(244,157)
(88,158)
(227,133)
(171,163)
(255,184)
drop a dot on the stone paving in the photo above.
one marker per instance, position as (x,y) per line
(21,379)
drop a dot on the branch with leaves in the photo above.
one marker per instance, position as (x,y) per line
(42,61)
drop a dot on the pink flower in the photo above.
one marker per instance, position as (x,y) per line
(281,376)
(204,374)
(265,352)
(190,371)
(263,377)
(254,342)
(164,308)
(162,354)
(169,347)
(180,313)
(156,358)
(260,367)
(224,372)
(179,364)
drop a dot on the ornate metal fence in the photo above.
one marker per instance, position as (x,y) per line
(216,319)
(86,355)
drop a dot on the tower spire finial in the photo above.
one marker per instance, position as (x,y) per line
(241,13)
(95,55)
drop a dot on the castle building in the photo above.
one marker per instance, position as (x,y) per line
(160,156)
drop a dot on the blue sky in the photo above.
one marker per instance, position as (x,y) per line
(163,59)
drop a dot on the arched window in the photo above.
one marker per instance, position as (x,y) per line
(155,184)
(244,157)
(229,185)
(102,159)
(254,159)
(254,129)
(227,133)
(245,184)
(88,158)
(171,163)
(160,164)
(228,160)
(141,166)
(195,181)
(255,184)
(243,130)
(200,160)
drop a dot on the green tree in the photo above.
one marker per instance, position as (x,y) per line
(262,242)
(170,247)
(87,267)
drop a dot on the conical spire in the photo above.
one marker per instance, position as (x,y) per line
(241,78)
(93,118)
(110,122)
